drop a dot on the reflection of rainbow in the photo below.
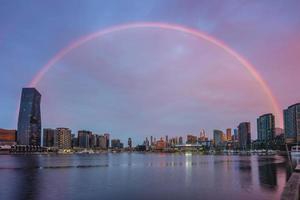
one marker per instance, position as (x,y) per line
(193,32)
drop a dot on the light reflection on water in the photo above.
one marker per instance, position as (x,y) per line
(142,176)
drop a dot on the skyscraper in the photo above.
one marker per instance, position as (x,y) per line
(292,123)
(244,132)
(266,128)
(29,122)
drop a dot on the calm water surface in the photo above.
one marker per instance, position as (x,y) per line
(142,176)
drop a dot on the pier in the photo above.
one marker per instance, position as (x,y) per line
(292,189)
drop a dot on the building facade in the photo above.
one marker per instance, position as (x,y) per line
(218,137)
(106,135)
(244,135)
(29,122)
(191,139)
(228,134)
(64,138)
(49,137)
(8,137)
(266,128)
(84,138)
(116,144)
(130,142)
(292,123)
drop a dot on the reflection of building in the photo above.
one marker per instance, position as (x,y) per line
(267,174)
(7,137)
(218,137)
(29,122)
(244,131)
(191,139)
(292,123)
(64,138)
(49,137)
(265,128)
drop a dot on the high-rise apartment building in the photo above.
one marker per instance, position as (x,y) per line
(244,135)
(64,138)
(292,123)
(266,128)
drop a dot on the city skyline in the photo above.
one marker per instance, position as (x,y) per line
(179,99)
(30,131)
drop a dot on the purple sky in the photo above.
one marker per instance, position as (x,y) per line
(144,82)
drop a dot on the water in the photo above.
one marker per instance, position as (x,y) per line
(142,176)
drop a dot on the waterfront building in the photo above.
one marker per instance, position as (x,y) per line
(173,141)
(180,140)
(167,141)
(151,140)
(202,137)
(84,138)
(29,122)
(224,138)
(130,142)
(244,135)
(8,137)
(116,144)
(49,137)
(265,128)
(93,140)
(218,137)
(146,143)
(106,135)
(191,139)
(74,141)
(64,138)
(101,142)
(160,144)
(228,134)
(292,123)
(235,134)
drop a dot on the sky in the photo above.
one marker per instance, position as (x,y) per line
(149,81)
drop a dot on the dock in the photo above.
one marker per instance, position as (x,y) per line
(292,188)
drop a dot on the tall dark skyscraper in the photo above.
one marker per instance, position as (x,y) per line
(244,131)
(266,128)
(29,122)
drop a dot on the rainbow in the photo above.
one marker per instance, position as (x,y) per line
(196,33)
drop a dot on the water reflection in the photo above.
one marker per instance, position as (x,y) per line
(132,176)
(268,175)
(27,183)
